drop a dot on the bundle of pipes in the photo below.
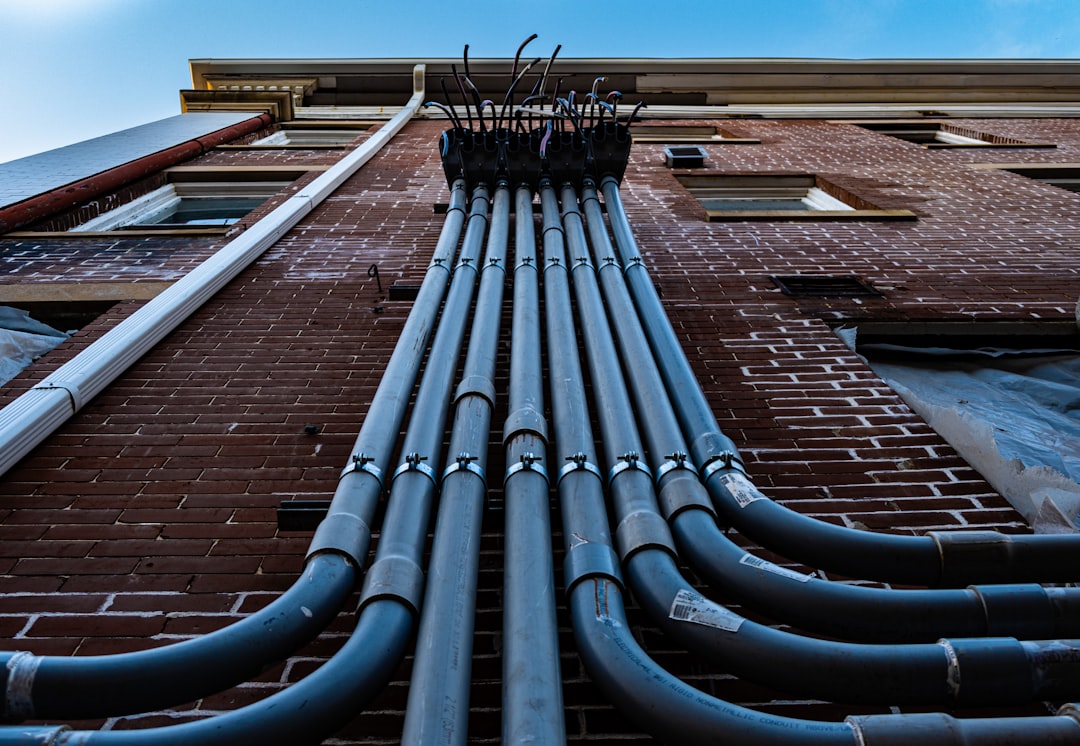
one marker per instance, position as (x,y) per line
(546,136)
(665,471)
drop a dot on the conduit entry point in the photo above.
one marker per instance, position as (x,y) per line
(525,137)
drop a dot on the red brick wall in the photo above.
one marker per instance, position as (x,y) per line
(150,516)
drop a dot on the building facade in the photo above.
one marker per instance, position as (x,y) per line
(246,300)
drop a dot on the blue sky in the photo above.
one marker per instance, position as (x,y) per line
(75,69)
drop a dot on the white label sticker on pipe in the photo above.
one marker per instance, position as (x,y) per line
(689,606)
(741,488)
(749,559)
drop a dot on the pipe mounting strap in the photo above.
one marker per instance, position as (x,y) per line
(393,577)
(579,462)
(342,533)
(712,445)
(528,462)
(643,529)
(440,263)
(525,420)
(589,559)
(69,388)
(464,462)
(415,462)
(19,697)
(525,261)
(479,385)
(676,460)
(627,462)
(363,462)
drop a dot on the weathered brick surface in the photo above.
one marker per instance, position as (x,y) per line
(150,516)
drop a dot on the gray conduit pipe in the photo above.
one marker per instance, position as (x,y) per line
(313,708)
(648,695)
(940,558)
(55,687)
(32,417)
(960,671)
(655,700)
(532,710)
(438,703)
(851,612)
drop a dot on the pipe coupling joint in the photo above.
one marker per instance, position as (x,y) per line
(589,559)
(987,670)
(394,577)
(680,491)
(1021,610)
(476,386)
(916,727)
(341,533)
(525,420)
(21,669)
(643,529)
(966,554)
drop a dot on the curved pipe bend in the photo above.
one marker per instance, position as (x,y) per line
(849,611)
(675,712)
(305,713)
(956,671)
(658,702)
(867,614)
(72,687)
(952,559)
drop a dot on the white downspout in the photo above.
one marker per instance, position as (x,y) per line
(32,417)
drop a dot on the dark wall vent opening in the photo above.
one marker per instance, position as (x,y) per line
(404,292)
(825,286)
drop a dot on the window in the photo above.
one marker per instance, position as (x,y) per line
(778,197)
(192,200)
(643,133)
(1063,177)
(945,135)
(312,137)
(1005,396)
(824,286)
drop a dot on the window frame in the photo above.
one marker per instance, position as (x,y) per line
(824,200)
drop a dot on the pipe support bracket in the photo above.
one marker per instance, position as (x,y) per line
(579,462)
(588,559)
(415,462)
(464,462)
(362,462)
(393,577)
(627,462)
(528,462)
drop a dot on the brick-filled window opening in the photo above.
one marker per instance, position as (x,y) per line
(1062,177)
(687,133)
(932,134)
(778,197)
(1007,399)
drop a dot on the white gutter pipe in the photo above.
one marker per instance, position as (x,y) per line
(32,417)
